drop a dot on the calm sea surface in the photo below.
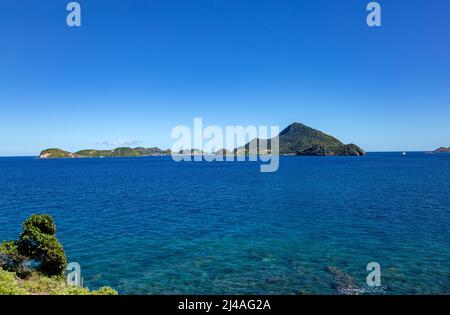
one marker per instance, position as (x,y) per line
(154,226)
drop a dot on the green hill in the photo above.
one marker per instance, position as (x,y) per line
(91,153)
(298,139)
(55,153)
(302,140)
(442,150)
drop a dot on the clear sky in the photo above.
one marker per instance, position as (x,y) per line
(135,69)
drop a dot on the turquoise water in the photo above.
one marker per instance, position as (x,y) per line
(153,226)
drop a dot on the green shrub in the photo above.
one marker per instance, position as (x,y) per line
(53,258)
(43,222)
(38,242)
(10,258)
(104,291)
(41,284)
(9,285)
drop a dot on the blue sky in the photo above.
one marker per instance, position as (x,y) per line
(135,69)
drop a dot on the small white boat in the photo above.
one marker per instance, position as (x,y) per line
(404,153)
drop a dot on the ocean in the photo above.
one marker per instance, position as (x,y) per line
(149,225)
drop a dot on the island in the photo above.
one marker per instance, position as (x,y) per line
(296,139)
(91,153)
(442,150)
(301,140)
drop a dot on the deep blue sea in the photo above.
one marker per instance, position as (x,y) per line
(153,226)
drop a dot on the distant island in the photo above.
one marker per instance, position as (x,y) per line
(90,153)
(296,139)
(442,150)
